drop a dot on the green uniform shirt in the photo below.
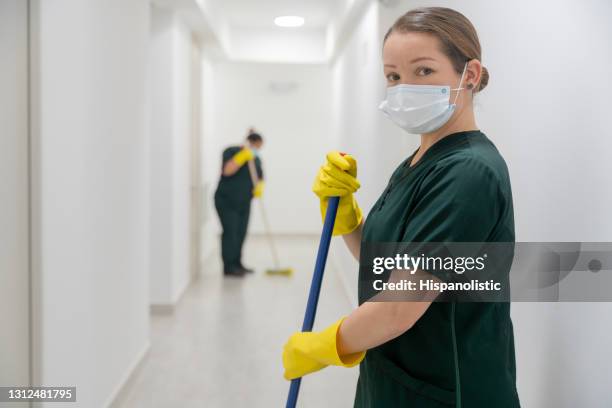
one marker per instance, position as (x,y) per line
(457,354)
(237,188)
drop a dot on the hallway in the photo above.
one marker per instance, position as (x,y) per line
(222,345)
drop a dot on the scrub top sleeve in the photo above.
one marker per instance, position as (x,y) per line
(259,168)
(229,152)
(459,201)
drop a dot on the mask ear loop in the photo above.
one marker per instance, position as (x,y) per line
(460,81)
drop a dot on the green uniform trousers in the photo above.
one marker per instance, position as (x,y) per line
(234,220)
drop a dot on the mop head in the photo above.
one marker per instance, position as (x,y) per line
(280,271)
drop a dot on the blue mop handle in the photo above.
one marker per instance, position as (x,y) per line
(315,286)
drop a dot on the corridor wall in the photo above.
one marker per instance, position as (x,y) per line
(170,121)
(90,195)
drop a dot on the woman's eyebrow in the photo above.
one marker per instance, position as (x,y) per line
(412,62)
(421,58)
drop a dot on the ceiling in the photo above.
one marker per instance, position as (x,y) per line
(244,30)
(261,13)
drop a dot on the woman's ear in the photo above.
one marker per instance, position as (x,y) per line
(474,71)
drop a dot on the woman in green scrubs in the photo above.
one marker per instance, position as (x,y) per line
(454,188)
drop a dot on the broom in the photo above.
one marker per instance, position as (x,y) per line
(277,270)
(315,286)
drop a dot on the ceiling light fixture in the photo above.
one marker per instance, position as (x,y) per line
(289,21)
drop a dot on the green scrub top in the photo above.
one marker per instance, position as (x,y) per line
(237,189)
(457,354)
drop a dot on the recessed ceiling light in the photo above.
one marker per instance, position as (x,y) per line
(289,21)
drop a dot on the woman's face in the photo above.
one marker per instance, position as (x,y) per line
(415,58)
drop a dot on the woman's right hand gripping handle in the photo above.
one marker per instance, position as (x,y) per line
(338,177)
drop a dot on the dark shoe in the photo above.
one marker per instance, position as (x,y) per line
(237,272)
(245,269)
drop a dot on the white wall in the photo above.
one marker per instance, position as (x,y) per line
(161,175)
(304,45)
(296,130)
(170,125)
(545,107)
(14,200)
(90,194)
(182,159)
(208,155)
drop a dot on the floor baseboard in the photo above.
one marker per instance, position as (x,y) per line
(121,392)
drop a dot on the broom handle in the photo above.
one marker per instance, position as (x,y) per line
(315,286)
(269,235)
(253,173)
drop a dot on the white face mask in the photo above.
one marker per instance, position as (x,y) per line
(420,108)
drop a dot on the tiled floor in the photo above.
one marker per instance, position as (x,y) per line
(222,346)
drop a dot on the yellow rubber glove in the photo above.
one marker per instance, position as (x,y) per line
(258,189)
(338,177)
(307,352)
(243,156)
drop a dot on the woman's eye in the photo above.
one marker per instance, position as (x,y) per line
(423,71)
(393,77)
